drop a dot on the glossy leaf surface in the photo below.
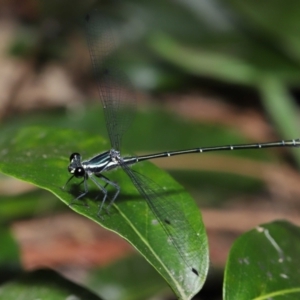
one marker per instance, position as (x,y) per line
(40,156)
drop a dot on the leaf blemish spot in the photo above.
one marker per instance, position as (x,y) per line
(154,222)
(195,271)
(244,260)
(42,135)
(4,151)
(269,275)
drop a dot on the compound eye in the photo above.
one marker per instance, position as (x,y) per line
(79,172)
(74,156)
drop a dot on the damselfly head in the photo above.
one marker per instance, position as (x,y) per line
(75,156)
(77,172)
(75,166)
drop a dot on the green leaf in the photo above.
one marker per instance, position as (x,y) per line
(10,263)
(41,156)
(281,107)
(264,264)
(203,62)
(113,282)
(243,69)
(46,285)
(29,204)
(264,19)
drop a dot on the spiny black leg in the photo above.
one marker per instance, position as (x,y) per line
(81,195)
(104,191)
(118,189)
(104,188)
(116,186)
(86,190)
(63,188)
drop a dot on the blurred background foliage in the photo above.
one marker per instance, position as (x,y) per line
(206,73)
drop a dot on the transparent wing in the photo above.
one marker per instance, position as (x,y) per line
(169,214)
(116,93)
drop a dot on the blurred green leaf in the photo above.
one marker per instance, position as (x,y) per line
(28,204)
(264,263)
(46,285)
(244,68)
(113,282)
(41,155)
(215,189)
(202,62)
(9,251)
(282,108)
(263,19)
(24,43)
(10,263)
